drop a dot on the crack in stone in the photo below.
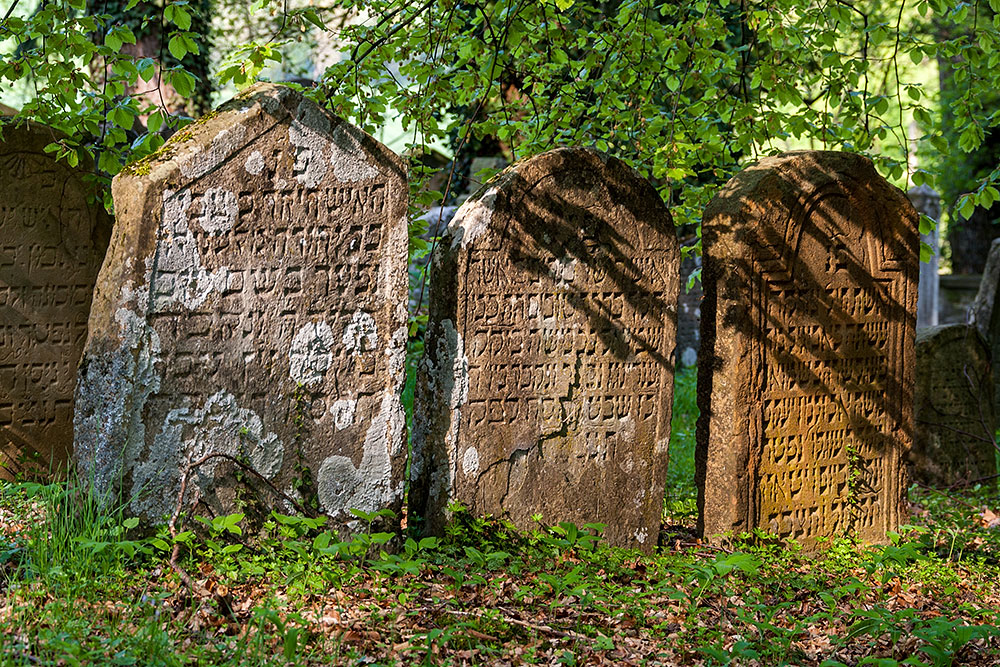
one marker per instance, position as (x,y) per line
(562,432)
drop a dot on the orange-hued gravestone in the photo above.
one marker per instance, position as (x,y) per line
(807,368)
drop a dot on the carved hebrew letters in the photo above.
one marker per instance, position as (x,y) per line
(806,396)
(52,242)
(263,319)
(954,407)
(548,378)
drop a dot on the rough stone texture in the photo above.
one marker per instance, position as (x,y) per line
(928,202)
(53,236)
(253,304)
(985,315)
(806,375)
(954,407)
(547,380)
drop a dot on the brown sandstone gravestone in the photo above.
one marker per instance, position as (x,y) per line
(985,315)
(253,305)
(547,379)
(954,407)
(806,379)
(52,241)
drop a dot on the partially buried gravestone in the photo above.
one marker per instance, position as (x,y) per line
(954,407)
(806,373)
(252,308)
(53,236)
(985,315)
(547,382)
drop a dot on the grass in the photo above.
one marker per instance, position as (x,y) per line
(77,587)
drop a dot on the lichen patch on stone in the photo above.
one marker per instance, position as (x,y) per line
(472,219)
(347,156)
(219,210)
(311,353)
(361,333)
(255,163)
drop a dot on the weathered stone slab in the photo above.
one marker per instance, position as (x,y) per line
(53,236)
(547,380)
(806,370)
(928,202)
(253,305)
(954,407)
(985,315)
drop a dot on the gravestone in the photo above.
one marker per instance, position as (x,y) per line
(928,202)
(253,307)
(805,380)
(52,241)
(689,313)
(954,407)
(547,379)
(985,315)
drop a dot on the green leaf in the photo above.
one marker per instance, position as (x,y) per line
(926,252)
(183,82)
(155,121)
(177,48)
(966,206)
(563,5)
(927,224)
(311,16)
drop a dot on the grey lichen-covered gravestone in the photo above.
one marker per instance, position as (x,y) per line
(806,378)
(547,379)
(954,407)
(985,315)
(253,306)
(53,236)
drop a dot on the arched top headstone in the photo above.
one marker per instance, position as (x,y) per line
(547,382)
(806,375)
(954,407)
(53,236)
(253,306)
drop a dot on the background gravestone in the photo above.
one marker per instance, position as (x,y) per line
(805,380)
(985,315)
(928,202)
(52,241)
(254,305)
(547,380)
(954,407)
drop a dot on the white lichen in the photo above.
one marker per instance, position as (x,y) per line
(369,487)
(255,163)
(349,157)
(179,275)
(343,412)
(361,333)
(308,132)
(472,219)
(219,210)
(201,160)
(470,461)
(311,353)
(188,435)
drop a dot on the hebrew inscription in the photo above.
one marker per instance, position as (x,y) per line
(52,240)
(262,322)
(547,382)
(954,407)
(806,384)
